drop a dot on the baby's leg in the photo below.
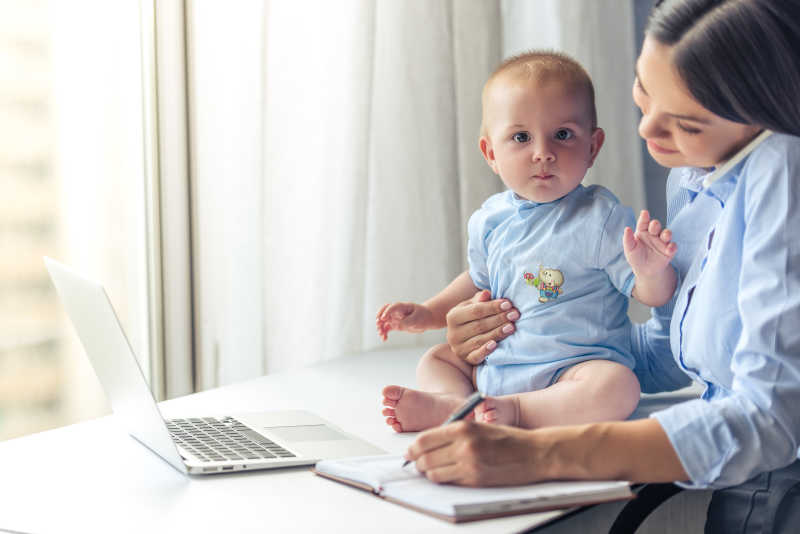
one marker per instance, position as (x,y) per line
(441,371)
(595,390)
(445,382)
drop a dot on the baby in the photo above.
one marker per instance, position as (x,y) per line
(563,253)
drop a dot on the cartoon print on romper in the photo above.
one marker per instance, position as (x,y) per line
(548,283)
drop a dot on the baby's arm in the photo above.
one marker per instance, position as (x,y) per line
(431,314)
(649,251)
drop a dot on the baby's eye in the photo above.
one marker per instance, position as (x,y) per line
(521,137)
(563,134)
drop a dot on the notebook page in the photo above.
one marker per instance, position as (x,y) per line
(460,501)
(376,471)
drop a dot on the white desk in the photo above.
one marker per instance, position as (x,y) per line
(93,477)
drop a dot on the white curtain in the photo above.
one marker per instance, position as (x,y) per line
(371,164)
(370,112)
(600,35)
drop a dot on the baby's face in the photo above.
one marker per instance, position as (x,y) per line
(539,138)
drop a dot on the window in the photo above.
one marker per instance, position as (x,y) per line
(72,184)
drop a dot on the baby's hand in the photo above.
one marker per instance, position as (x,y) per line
(650,249)
(406,316)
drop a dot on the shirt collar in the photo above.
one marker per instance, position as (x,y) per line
(522,204)
(691,178)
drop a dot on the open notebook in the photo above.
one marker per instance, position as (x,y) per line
(385,477)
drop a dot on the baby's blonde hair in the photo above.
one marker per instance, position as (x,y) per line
(542,66)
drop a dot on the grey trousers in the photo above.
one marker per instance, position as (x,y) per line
(768,503)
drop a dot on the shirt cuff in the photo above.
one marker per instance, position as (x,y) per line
(701,438)
(627,289)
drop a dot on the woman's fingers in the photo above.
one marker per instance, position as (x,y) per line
(478,454)
(440,453)
(477,356)
(473,341)
(478,348)
(481,296)
(469,311)
(474,323)
(436,458)
(437,437)
(489,325)
(480,318)
(448,474)
(478,315)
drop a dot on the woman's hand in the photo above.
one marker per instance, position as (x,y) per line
(478,454)
(475,326)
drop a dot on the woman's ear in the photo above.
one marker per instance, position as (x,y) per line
(598,136)
(488,152)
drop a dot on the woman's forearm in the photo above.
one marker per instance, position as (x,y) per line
(638,451)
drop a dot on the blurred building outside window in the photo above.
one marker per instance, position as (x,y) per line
(71,187)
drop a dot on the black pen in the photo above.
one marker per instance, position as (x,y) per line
(463,411)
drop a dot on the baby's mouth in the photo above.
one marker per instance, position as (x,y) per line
(543,176)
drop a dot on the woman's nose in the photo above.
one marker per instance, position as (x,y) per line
(650,127)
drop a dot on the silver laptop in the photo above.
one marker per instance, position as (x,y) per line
(193,445)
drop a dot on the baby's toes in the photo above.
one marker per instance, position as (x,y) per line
(486,411)
(393,394)
(395,424)
(480,414)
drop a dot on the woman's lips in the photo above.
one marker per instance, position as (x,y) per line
(660,149)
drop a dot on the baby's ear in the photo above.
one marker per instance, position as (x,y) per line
(598,137)
(488,152)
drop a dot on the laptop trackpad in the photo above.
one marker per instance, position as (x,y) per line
(290,434)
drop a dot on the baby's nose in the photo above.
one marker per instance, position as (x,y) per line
(544,154)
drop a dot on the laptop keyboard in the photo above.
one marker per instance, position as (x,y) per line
(222,439)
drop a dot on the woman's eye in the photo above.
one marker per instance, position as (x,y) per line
(521,137)
(564,134)
(687,129)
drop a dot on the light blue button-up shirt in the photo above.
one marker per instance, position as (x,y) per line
(734,324)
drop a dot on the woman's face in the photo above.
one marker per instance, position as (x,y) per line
(678,130)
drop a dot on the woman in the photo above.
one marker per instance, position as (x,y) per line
(712,76)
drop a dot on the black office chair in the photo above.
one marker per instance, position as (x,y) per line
(636,511)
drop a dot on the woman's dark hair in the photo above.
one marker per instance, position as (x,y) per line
(740,59)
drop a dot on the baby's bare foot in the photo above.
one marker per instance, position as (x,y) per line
(499,410)
(410,410)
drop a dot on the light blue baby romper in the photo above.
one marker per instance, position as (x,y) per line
(562,265)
